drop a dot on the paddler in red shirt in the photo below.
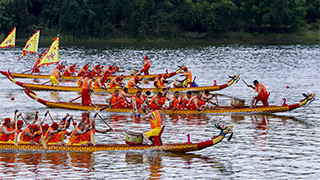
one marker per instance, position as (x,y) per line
(115,100)
(174,102)
(146,66)
(86,89)
(136,101)
(155,102)
(185,100)
(84,70)
(96,71)
(262,94)
(29,133)
(116,82)
(155,123)
(13,127)
(5,132)
(133,83)
(70,71)
(99,83)
(196,103)
(52,135)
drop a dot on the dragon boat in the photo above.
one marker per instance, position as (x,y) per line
(111,90)
(38,76)
(156,146)
(217,109)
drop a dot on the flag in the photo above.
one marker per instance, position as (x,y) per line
(52,54)
(31,45)
(10,40)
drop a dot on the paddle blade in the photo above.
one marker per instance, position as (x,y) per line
(43,141)
(229,138)
(93,141)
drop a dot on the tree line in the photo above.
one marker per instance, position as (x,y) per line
(147,19)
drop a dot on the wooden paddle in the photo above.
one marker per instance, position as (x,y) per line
(24,120)
(245,82)
(16,143)
(93,141)
(75,98)
(110,127)
(50,117)
(110,105)
(45,82)
(43,141)
(122,67)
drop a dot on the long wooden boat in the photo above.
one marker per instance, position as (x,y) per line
(37,76)
(178,147)
(111,90)
(217,110)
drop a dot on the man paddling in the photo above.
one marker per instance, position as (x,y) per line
(115,100)
(99,83)
(133,83)
(155,123)
(84,70)
(196,103)
(136,101)
(174,102)
(262,94)
(5,132)
(160,81)
(86,89)
(185,100)
(70,71)
(28,134)
(52,136)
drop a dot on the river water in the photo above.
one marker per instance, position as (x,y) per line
(288,150)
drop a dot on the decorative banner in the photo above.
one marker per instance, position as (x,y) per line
(10,40)
(31,45)
(52,55)
(188,137)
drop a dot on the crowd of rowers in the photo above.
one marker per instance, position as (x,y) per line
(53,134)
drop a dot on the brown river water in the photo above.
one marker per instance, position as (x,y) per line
(287,150)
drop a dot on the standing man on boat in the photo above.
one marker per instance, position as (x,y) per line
(188,77)
(86,89)
(35,68)
(155,122)
(262,94)
(5,131)
(146,66)
(56,73)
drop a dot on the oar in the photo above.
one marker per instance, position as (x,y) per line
(16,133)
(50,117)
(245,82)
(93,141)
(43,141)
(110,105)
(24,120)
(75,98)
(122,67)
(45,82)
(109,127)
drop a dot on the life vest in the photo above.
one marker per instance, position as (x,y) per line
(97,83)
(162,100)
(191,104)
(87,83)
(69,71)
(184,102)
(156,122)
(11,136)
(52,138)
(147,64)
(131,83)
(189,75)
(263,93)
(113,84)
(55,73)
(114,100)
(26,138)
(174,103)
(37,139)
(3,136)
(96,71)
(139,101)
(152,103)
(73,138)
(159,82)
(80,82)
(82,71)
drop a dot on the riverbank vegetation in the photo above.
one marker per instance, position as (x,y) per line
(163,20)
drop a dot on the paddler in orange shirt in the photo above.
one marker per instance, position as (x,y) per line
(52,135)
(155,123)
(146,66)
(160,81)
(5,132)
(262,94)
(174,102)
(136,101)
(185,100)
(13,127)
(196,103)
(80,80)
(70,71)
(96,71)
(188,77)
(86,89)
(84,70)
(133,83)
(56,73)
(155,101)
(115,100)
(29,133)
(99,83)
(116,82)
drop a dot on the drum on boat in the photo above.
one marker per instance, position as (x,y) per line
(134,72)
(237,102)
(177,84)
(134,137)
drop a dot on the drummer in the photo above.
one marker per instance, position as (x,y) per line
(155,123)
(5,131)
(146,66)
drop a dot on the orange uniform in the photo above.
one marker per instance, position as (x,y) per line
(25,138)
(11,136)
(83,71)
(264,94)
(86,88)
(159,82)
(139,101)
(131,83)
(184,102)
(3,136)
(113,83)
(117,101)
(188,75)
(69,71)
(80,82)
(192,105)
(174,103)
(153,104)
(73,138)
(155,124)
(98,83)
(96,71)
(146,67)
(53,139)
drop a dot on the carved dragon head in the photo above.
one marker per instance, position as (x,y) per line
(309,97)
(225,130)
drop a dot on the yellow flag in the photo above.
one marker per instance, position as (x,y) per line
(31,45)
(52,55)
(10,40)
